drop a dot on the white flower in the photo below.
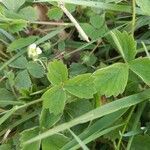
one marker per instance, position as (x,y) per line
(38,50)
(32,46)
(34,51)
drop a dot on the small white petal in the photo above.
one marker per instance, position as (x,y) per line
(32,46)
(38,50)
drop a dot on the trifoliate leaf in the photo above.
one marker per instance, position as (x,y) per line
(57,72)
(55,13)
(111,80)
(125,44)
(54,100)
(81,86)
(35,69)
(27,135)
(22,80)
(141,67)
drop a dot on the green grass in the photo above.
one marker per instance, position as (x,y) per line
(74,74)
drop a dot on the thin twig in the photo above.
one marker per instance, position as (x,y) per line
(51,23)
(133,16)
(73,20)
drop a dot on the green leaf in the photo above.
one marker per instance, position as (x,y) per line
(144,5)
(89,59)
(28,13)
(81,143)
(57,72)
(35,69)
(97,21)
(71,8)
(17,25)
(81,86)
(13,5)
(97,126)
(23,80)
(54,142)
(7,115)
(5,147)
(93,32)
(6,97)
(47,119)
(21,43)
(14,26)
(141,67)
(77,68)
(106,109)
(125,44)
(28,134)
(55,13)
(83,106)
(111,80)
(141,142)
(54,100)
(20,63)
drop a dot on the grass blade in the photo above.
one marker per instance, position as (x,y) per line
(101,5)
(79,141)
(8,114)
(98,126)
(96,113)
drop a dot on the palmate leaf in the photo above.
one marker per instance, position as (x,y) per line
(81,86)
(125,44)
(57,72)
(141,67)
(54,100)
(111,80)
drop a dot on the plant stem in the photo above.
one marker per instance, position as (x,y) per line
(97,100)
(133,16)
(24,106)
(135,124)
(52,23)
(124,129)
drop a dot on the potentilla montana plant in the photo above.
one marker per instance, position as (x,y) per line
(74,75)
